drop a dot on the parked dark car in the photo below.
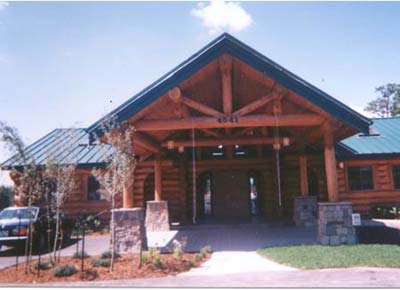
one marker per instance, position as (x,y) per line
(14,226)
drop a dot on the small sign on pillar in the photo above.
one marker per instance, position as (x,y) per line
(356,219)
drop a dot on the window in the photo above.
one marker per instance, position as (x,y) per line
(360,178)
(93,188)
(396,176)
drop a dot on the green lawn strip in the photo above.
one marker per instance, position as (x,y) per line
(319,257)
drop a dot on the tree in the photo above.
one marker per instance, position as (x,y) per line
(387,104)
(28,179)
(120,167)
(63,178)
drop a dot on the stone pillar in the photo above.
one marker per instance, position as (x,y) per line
(335,223)
(130,231)
(157,217)
(305,211)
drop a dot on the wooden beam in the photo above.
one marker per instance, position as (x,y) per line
(146,142)
(246,121)
(224,142)
(330,164)
(255,105)
(176,96)
(157,179)
(201,108)
(225,63)
(242,132)
(212,133)
(303,175)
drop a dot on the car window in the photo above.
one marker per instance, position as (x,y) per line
(22,213)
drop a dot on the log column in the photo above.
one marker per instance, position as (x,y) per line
(127,195)
(303,175)
(157,179)
(330,165)
(334,218)
(157,216)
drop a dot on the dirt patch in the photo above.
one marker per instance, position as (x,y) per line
(125,267)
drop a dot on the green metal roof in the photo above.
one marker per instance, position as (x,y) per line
(64,146)
(67,146)
(384,138)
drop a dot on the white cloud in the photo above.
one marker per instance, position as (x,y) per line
(3,5)
(219,16)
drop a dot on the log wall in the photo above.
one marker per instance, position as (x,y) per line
(383,192)
(177,184)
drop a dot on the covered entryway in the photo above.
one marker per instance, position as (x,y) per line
(230,111)
(229,194)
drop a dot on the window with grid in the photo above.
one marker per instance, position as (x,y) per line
(360,178)
(396,176)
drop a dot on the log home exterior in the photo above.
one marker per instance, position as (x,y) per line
(231,134)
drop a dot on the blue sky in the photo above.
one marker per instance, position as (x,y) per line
(67,64)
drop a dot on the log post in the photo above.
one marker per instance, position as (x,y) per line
(226,75)
(303,175)
(330,164)
(127,195)
(157,179)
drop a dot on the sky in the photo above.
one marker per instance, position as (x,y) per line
(66,64)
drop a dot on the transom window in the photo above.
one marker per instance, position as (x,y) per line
(396,176)
(360,178)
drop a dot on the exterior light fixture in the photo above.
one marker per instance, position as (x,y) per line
(286,141)
(170,144)
(341,165)
(277,146)
(220,146)
(181,149)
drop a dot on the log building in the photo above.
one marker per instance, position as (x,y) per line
(231,134)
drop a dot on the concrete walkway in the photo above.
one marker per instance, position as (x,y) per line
(234,262)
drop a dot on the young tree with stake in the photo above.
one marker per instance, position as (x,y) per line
(120,167)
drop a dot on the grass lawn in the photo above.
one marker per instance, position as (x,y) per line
(318,257)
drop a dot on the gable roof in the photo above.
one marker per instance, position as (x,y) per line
(64,146)
(384,139)
(230,45)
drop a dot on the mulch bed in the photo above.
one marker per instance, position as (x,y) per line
(125,267)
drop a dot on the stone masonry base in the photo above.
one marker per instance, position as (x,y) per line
(305,211)
(335,224)
(130,231)
(157,218)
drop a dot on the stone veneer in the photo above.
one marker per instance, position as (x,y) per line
(305,211)
(130,231)
(157,218)
(335,223)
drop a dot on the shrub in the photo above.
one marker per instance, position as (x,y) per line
(198,257)
(156,262)
(43,265)
(205,251)
(144,258)
(108,254)
(80,255)
(177,253)
(101,263)
(65,271)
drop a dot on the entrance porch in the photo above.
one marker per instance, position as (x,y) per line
(244,236)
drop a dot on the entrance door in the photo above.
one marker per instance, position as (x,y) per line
(231,194)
